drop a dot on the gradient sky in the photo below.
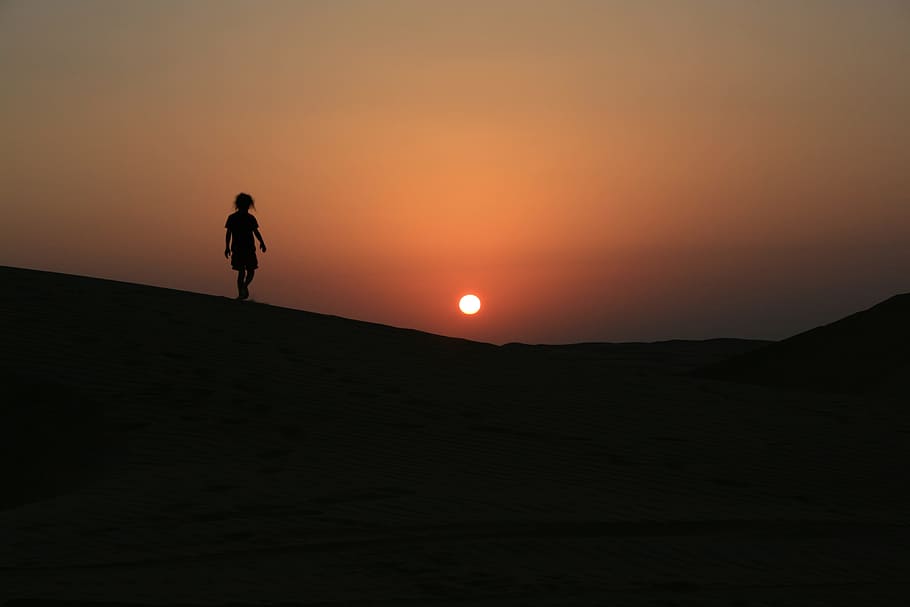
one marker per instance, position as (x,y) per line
(594,171)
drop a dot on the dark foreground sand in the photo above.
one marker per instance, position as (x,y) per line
(353,464)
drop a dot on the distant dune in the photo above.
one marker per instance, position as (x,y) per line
(169,448)
(866,352)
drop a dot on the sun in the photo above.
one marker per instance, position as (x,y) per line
(469,304)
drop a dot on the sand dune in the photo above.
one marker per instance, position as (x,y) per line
(170,448)
(866,352)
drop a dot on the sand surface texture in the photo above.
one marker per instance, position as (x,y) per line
(168,448)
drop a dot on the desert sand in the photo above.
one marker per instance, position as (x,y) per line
(169,448)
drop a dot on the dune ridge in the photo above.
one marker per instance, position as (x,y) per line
(868,351)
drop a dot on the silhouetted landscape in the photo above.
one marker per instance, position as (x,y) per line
(350,463)
(867,352)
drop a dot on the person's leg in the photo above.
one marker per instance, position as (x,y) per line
(241,276)
(249,277)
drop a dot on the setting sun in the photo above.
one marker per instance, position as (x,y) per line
(469,304)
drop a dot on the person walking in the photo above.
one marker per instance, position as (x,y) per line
(239,245)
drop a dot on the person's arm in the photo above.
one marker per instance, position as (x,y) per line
(259,237)
(227,243)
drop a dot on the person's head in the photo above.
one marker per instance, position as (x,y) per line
(244,201)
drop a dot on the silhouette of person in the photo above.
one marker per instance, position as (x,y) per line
(239,244)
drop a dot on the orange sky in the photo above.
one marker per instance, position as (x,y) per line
(593,170)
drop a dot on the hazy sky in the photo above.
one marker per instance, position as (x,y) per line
(592,170)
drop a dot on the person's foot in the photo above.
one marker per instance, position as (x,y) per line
(244,292)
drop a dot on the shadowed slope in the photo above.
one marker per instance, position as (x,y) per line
(273,456)
(866,351)
(52,440)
